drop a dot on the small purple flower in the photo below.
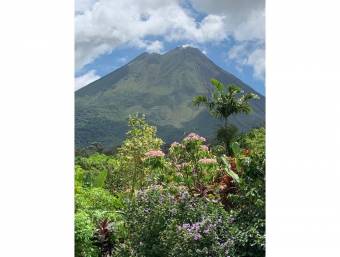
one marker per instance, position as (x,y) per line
(186,226)
(195,226)
(197,236)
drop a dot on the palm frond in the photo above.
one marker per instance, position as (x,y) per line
(233,90)
(218,85)
(198,100)
(226,100)
(250,96)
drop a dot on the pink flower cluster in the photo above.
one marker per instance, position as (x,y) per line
(194,137)
(204,148)
(207,161)
(176,144)
(154,153)
(182,165)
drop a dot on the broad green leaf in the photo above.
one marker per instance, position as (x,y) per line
(79,175)
(235,147)
(233,175)
(218,85)
(100,179)
(229,171)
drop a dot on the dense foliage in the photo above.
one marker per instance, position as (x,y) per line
(190,200)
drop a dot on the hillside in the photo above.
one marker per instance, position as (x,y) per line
(162,87)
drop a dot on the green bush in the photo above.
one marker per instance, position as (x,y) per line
(140,139)
(99,170)
(95,206)
(142,202)
(84,232)
(170,222)
(248,204)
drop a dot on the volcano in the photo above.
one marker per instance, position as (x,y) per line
(161,87)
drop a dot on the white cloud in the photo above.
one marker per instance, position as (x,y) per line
(245,22)
(85,79)
(103,25)
(238,52)
(257,60)
(150,46)
(108,24)
(245,54)
(195,46)
(253,28)
(244,19)
(155,47)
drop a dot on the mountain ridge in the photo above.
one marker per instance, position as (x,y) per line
(162,86)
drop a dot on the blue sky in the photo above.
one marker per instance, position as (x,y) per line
(111,33)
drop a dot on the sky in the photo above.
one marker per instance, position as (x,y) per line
(110,33)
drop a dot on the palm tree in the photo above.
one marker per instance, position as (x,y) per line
(226,100)
(227,135)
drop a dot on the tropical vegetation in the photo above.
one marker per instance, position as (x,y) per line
(193,198)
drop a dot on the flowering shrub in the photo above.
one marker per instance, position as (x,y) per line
(202,238)
(204,148)
(191,201)
(141,142)
(194,137)
(207,161)
(154,153)
(196,166)
(170,222)
(158,169)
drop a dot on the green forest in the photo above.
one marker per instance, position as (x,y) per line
(193,198)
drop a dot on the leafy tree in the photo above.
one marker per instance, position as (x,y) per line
(140,139)
(226,100)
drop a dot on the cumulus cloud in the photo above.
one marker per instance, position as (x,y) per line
(244,20)
(108,24)
(248,54)
(85,79)
(150,46)
(103,25)
(155,47)
(257,60)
